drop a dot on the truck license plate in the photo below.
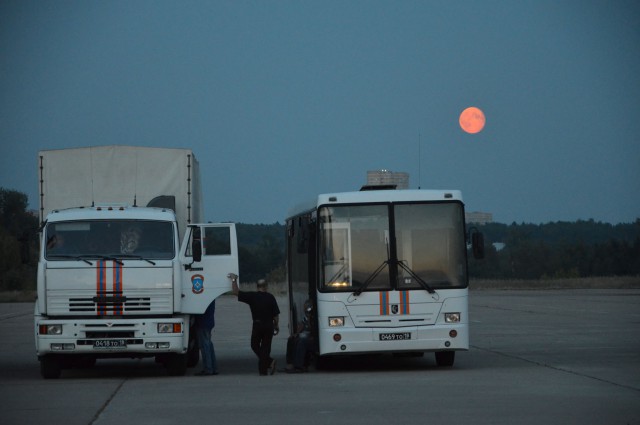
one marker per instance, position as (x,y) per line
(398,336)
(109,343)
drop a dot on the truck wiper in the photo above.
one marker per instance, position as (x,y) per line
(422,283)
(73,257)
(135,257)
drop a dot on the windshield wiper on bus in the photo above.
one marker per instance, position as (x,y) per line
(422,283)
(404,267)
(376,272)
(340,272)
(370,279)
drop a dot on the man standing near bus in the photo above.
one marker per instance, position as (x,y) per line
(265,314)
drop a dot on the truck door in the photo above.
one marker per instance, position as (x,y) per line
(216,247)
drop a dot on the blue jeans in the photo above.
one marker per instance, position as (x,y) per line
(207,352)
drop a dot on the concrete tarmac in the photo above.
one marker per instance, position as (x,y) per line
(536,357)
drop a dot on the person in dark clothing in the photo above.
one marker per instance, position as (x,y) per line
(265,314)
(204,324)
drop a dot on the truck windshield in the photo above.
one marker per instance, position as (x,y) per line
(109,238)
(361,244)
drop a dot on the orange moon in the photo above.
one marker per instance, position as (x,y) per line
(472,120)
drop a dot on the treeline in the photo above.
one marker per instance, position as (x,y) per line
(260,247)
(558,250)
(515,251)
(584,248)
(18,242)
(261,252)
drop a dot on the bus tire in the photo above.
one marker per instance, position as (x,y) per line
(445,358)
(50,367)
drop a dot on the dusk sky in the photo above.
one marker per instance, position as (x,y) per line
(283,100)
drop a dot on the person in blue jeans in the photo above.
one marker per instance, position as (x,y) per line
(204,325)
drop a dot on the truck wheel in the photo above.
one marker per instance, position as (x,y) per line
(177,364)
(50,367)
(85,362)
(193,353)
(445,358)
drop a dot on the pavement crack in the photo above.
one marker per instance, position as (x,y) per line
(559,369)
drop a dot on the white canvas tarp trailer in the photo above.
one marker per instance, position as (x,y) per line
(119,175)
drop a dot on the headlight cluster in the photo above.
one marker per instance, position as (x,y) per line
(452,317)
(50,329)
(169,328)
(336,321)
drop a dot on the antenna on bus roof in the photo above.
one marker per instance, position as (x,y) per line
(93,198)
(419,158)
(135,183)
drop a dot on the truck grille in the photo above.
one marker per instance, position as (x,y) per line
(130,303)
(127,304)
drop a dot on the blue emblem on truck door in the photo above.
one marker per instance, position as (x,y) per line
(197,283)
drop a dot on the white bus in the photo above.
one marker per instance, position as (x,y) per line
(384,271)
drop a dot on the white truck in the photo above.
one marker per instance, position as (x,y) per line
(113,278)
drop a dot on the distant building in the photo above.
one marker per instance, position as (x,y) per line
(388,178)
(478,217)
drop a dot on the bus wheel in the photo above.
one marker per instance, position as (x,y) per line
(50,367)
(445,358)
(321,362)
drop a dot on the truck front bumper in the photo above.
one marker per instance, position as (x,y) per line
(111,338)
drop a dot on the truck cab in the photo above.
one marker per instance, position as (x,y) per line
(115,281)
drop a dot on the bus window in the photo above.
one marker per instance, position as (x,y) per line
(430,242)
(353,244)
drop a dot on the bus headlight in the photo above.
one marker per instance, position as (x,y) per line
(452,317)
(336,321)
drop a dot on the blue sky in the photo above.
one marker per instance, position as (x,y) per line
(283,100)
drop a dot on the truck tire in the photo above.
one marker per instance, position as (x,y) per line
(193,352)
(445,358)
(176,364)
(50,367)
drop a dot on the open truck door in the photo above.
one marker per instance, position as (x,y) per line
(208,255)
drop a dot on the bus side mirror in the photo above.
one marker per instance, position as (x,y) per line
(196,244)
(477,245)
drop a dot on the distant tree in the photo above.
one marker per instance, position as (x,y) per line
(561,249)
(18,242)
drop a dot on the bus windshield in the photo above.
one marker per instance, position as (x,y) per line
(109,239)
(361,248)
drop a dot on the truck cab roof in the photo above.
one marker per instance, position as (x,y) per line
(111,212)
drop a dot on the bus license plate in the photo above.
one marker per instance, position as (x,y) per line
(399,336)
(109,343)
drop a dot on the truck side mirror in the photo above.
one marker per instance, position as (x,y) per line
(196,244)
(477,245)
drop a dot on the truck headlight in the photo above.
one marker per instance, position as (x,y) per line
(169,328)
(452,317)
(50,329)
(336,321)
